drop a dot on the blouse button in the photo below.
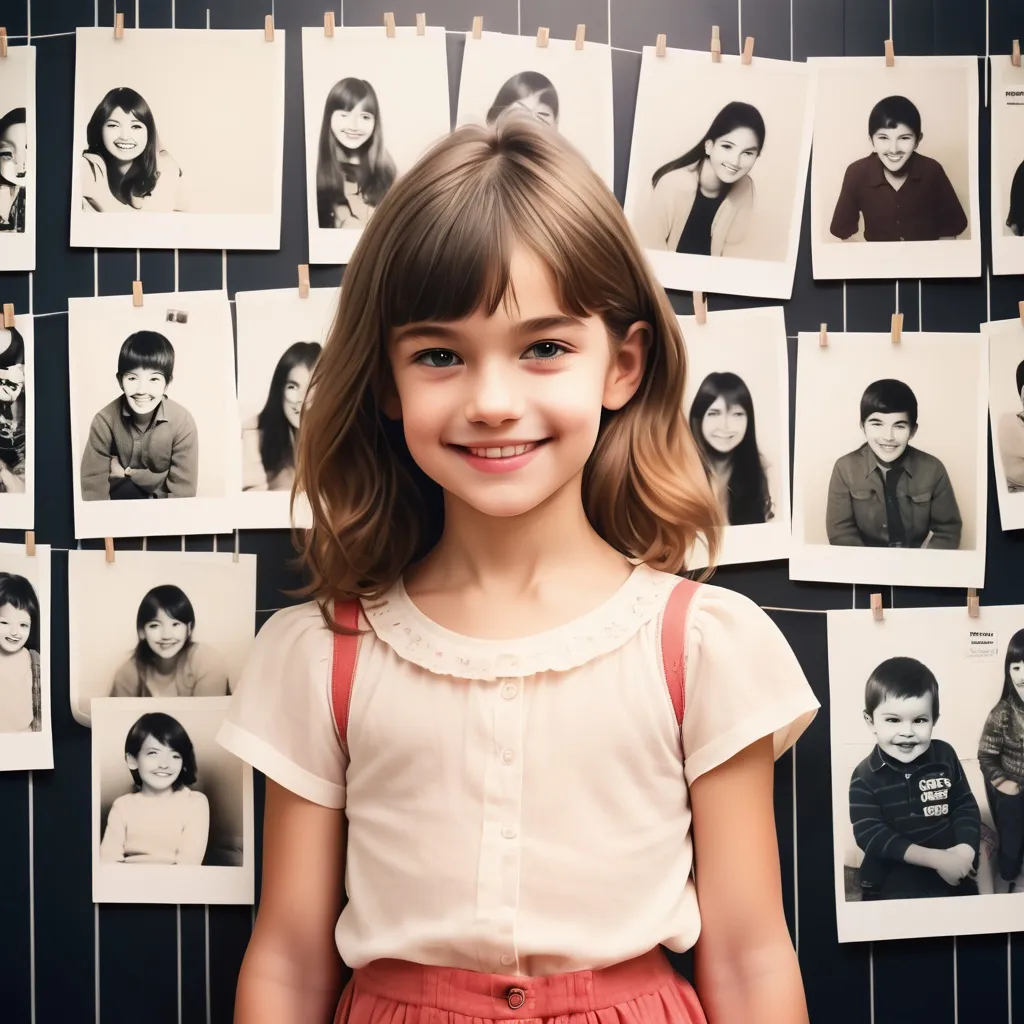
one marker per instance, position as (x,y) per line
(508,959)
(509,690)
(508,756)
(508,832)
(516,998)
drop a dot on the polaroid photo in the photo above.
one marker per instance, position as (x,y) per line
(737,405)
(172,810)
(566,88)
(18,159)
(174,624)
(25,736)
(17,424)
(926,708)
(890,460)
(1007,203)
(280,337)
(1006,408)
(373,106)
(181,131)
(894,183)
(154,421)
(717,170)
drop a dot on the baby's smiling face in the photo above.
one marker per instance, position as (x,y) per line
(15,626)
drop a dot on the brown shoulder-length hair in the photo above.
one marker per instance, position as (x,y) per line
(438,248)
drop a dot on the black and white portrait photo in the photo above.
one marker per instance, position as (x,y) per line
(154,420)
(172,810)
(17,425)
(927,723)
(192,160)
(737,405)
(894,182)
(889,484)
(1006,407)
(25,658)
(373,105)
(175,624)
(1007,203)
(717,170)
(280,337)
(18,159)
(568,89)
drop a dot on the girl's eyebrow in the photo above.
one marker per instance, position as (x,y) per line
(535,325)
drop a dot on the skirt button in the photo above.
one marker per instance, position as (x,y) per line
(516,998)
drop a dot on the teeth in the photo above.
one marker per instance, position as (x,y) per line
(502,453)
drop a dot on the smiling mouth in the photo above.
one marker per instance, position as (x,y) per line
(12,639)
(124,144)
(503,452)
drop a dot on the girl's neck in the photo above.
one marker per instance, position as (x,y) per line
(156,794)
(709,182)
(10,663)
(167,666)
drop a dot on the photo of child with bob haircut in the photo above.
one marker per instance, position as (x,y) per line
(20,674)
(901,194)
(143,444)
(912,809)
(888,493)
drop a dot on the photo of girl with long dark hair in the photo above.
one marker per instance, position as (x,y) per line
(12,412)
(530,92)
(1015,215)
(722,424)
(20,673)
(124,167)
(268,439)
(1001,758)
(13,169)
(701,202)
(354,169)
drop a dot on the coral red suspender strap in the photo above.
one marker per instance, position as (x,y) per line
(673,653)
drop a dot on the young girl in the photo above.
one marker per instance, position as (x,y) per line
(268,439)
(722,424)
(353,168)
(1001,757)
(702,200)
(123,166)
(531,92)
(509,814)
(20,688)
(12,411)
(13,157)
(162,820)
(166,661)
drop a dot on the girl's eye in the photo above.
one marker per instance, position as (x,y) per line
(438,358)
(547,350)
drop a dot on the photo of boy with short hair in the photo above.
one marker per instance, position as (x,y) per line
(902,195)
(143,444)
(911,806)
(888,493)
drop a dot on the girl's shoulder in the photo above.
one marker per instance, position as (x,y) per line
(680,179)
(190,797)
(166,164)
(293,641)
(95,164)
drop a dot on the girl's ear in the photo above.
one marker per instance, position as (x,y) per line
(132,762)
(626,370)
(142,634)
(708,143)
(868,720)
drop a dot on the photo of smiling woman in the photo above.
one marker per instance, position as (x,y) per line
(722,423)
(532,93)
(12,412)
(166,661)
(124,168)
(701,202)
(354,169)
(13,169)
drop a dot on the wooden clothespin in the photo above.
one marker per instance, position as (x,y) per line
(136,293)
(8,315)
(748,50)
(268,28)
(581,32)
(30,543)
(716,44)
(700,307)
(897,328)
(3,41)
(972,603)
(108,547)
(389,24)
(1015,54)
(660,44)
(303,280)
(119,26)
(876,607)
(542,37)
(329,24)
(890,54)
(823,336)
(421,24)
(478,26)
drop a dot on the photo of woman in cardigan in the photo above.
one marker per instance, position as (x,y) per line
(701,202)
(1001,758)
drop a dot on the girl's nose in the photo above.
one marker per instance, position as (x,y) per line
(494,399)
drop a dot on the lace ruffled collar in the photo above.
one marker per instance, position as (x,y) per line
(397,621)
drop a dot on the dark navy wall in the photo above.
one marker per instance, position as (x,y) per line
(63,961)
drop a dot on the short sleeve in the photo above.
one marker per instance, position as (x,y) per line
(280,719)
(742,682)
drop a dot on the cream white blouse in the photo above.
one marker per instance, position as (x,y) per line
(517,806)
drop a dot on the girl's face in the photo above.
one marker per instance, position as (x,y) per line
(894,146)
(15,626)
(724,426)
(124,135)
(12,382)
(353,127)
(158,765)
(143,389)
(534,105)
(732,155)
(13,151)
(1017,677)
(164,635)
(295,388)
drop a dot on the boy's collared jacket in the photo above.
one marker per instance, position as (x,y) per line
(855,514)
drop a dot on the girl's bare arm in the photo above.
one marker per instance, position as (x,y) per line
(292,973)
